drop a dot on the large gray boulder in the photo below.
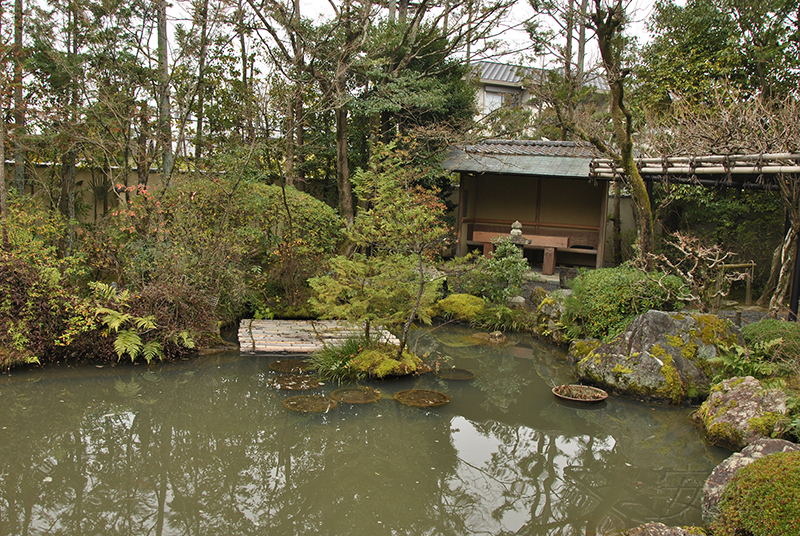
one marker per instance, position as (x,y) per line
(659,529)
(661,357)
(715,485)
(741,411)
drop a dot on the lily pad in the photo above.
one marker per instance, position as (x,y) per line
(291,366)
(310,404)
(421,398)
(356,395)
(455,374)
(294,382)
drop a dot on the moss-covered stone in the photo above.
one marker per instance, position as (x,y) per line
(619,369)
(463,307)
(381,361)
(661,357)
(766,424)
(762,498)
(739,412)
(583,348)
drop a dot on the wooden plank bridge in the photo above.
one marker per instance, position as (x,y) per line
(296,336)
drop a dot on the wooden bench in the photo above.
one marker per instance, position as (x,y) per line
(548,243)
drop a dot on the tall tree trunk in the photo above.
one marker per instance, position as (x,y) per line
(568,33)
(143,150)
(66,202)
(249,131)
(19,103)
(289,140)
(3,204)
(580,61)
(164,109)
(788,252)
(608,27)
(342,167)
(201,90)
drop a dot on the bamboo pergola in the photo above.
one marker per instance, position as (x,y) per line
(749,171)
(741,171)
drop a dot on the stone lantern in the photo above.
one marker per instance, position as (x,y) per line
(516,235)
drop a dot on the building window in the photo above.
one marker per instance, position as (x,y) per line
(492,101)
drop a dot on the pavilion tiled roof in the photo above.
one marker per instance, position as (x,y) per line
(535,148)
(566,159)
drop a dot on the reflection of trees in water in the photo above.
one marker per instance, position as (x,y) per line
(499,379)
(162,466)
(568,485)
(213,452)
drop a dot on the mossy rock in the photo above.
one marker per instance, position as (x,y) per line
(716,484)
(380,361)
(462,307)
(660,357)
(762,499)
(740,411)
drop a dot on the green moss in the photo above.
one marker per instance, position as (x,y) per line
(538,296)
(694,530)
(674,340)
(762,498)
(463,307)
(713,330)
(673,387)
(584,348)
(724,433)
(620,369)
(380,361)
(765,425)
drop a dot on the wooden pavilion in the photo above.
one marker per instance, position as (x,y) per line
(544,185)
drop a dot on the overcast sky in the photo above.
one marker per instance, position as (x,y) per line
(515,36)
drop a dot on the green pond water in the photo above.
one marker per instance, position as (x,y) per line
(205,447)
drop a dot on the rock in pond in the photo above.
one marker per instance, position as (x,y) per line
(740,411)
(715,485)
(659,529)
(548,316)
(661,357)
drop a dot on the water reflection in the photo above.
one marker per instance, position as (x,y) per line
(206,448)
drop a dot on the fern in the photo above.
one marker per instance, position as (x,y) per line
(152,350)
(105,292)
(128,342)
(113,319)
(131,329)
(145,322)
(184,339)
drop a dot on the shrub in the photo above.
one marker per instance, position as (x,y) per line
(606,300)
(762,499)
(782,339)
(42,318)
(497,278)
(233,248)
(462,307)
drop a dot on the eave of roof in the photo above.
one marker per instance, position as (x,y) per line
(522,157)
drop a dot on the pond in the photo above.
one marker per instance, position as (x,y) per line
(206,447)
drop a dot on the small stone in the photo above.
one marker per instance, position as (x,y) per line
(517,302)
